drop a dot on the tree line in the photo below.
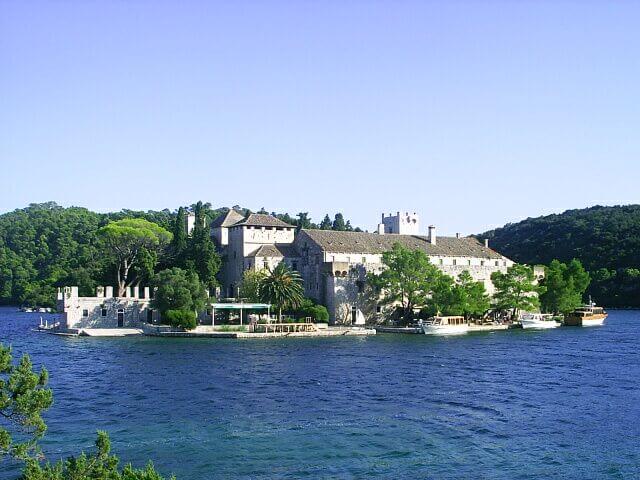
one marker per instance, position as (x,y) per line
(45,246)
(606,240)
(410,281)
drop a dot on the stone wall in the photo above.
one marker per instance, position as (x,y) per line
(103,311)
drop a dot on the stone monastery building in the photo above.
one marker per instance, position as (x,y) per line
(334,264)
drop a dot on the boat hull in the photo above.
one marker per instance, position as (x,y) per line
(445,329)
(589,321)
(539,325)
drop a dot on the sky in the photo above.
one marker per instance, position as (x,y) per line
(472,114)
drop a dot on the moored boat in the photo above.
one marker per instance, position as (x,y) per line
(538,321)
(445,326)
(586,316)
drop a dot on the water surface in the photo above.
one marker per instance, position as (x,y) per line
(561,403)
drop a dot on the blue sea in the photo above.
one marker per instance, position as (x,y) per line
(562,403)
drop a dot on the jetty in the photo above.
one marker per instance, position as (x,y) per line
(289,330)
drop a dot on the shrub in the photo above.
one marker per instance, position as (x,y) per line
(319,313)
(181,318)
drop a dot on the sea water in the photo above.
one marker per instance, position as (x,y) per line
(560,403)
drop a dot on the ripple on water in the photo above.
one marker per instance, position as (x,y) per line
(556,404)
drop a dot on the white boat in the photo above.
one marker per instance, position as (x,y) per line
(538,320)
(445,326)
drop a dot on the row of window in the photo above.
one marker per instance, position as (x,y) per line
(104,311)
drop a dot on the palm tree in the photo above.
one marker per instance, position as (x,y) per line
(282,288)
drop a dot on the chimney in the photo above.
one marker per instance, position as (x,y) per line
(108,292)
(146,293)
(486,243)
(381,229)
(432,234)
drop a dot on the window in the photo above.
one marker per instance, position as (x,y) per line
(265,265)
(348,259)
(85,313)
(441,261)
(455,262)
(469,262)
(497,263)
(103,311)
(482,263)
(378,309)
(364,259)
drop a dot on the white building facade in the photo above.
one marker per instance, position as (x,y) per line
(334,264)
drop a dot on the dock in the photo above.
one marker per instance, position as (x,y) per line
(291,333)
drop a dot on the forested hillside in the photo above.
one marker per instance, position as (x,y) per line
(45,246)
(605,239)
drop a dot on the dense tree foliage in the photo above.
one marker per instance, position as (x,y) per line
(516,290)
(45,246)
(100,465)
(202,257)
(465,297)
(133,245)
(409,278)
(251,284)
(605,239)
(23,398)
(565,285)
(178,250)
(310,309)
(177,289)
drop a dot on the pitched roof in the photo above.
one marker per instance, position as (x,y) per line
(362,242)
(227,219)
(275,251)
(262,220)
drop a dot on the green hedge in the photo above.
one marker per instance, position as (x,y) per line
(181,318)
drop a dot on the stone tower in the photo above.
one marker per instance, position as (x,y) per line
(402,223)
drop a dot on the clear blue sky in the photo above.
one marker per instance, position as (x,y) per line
(471,113)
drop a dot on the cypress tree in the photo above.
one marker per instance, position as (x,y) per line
(203,258)
(179,242)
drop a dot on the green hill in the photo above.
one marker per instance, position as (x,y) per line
(45,246)
(605,239)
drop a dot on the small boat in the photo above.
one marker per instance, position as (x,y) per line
(445,326)
(538,320)
(586,316)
